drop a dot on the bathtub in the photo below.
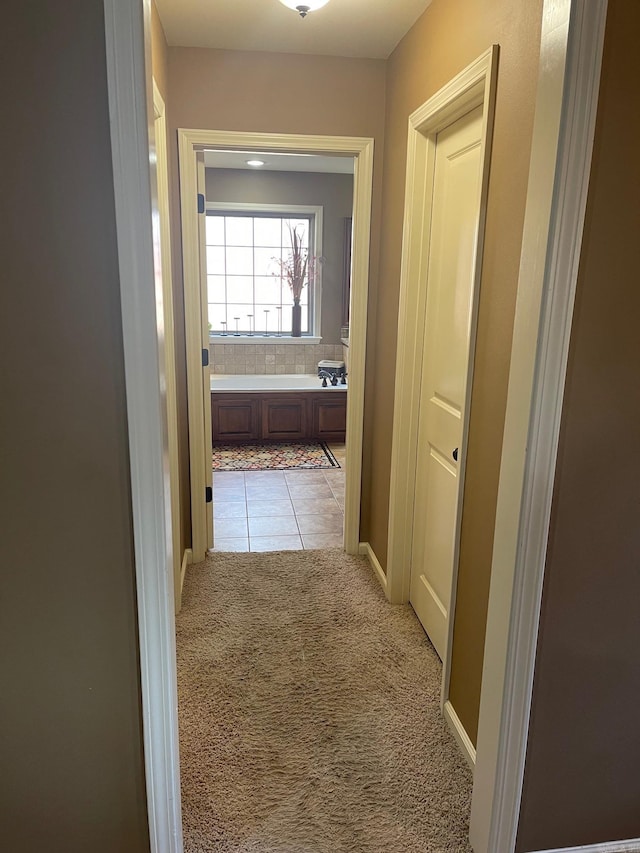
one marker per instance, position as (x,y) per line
(270,382)
(279,407)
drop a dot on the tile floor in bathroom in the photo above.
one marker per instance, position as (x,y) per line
(279,510)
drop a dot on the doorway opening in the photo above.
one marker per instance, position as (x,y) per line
(278,270)
(195,148)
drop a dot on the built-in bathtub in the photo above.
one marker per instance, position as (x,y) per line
(276,407)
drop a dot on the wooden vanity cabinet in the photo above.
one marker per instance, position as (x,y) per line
(278,416)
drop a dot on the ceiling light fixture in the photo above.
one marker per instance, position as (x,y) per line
(305,6)
(255,163)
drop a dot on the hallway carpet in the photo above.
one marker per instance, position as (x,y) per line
(309,715)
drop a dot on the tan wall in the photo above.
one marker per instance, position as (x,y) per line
(582,784)
(159,53)
(333,192)
(270,92)
(448,36)
(72,771)
(273,92)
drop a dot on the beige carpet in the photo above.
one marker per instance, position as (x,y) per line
(309,718)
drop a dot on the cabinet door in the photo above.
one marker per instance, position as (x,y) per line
(235,419)
(330,416)
(285,418)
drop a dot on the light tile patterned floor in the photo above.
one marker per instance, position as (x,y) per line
(279,510)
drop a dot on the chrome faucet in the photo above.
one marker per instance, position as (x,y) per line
(324,375)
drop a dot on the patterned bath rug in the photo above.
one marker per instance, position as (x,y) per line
(272,456)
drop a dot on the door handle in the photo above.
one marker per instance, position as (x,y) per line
(455,455)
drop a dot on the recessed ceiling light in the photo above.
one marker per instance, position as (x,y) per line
(304,6)
(255,163)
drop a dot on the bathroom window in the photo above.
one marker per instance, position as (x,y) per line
(245,293)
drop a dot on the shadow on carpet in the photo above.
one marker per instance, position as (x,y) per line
(309,713)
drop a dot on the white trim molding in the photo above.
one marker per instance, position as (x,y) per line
(190,142)
(367,551)
(131,116)
(570,64)
(460,734)
(170,393)
(632,845)
(191,267)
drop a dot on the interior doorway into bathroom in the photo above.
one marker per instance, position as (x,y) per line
(233,198)
(277,230)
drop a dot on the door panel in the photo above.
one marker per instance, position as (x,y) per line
(330,417)
(284,418)
(453,238)
(235,420)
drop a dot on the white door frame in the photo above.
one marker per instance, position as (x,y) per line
(169,336)
(566,104)
(199,374)
(129,81)
(474,87)
(361,149)
(553,230)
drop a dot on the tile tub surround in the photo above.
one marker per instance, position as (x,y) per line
(279,510)
(264,358)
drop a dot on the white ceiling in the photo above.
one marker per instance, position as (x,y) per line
(357,28)
(279,162)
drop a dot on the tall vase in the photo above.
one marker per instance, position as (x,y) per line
(296,319)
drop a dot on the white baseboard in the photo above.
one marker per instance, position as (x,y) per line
(631,845)
(460,734)
(187,559)
(367,551)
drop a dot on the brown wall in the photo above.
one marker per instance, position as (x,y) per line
(72,770)
(582,784)
(448,36)
(272,93)
(333,192)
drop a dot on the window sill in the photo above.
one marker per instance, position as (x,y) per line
(270,340)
